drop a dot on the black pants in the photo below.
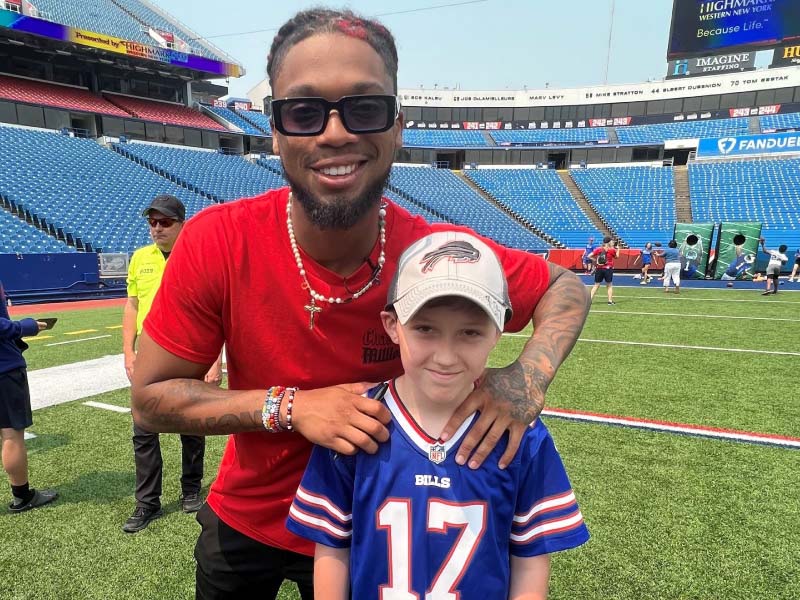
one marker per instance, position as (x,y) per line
(233,566)
(147,456)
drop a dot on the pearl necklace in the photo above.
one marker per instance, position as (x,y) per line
(312,307)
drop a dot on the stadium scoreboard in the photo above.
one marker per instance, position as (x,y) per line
(709,26)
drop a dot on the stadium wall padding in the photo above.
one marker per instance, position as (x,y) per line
(32,272)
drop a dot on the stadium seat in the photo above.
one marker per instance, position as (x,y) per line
(540,197)
(637,202)
(659,132)
(164,112)
(30,91)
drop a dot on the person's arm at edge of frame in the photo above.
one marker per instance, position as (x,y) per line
(511,398)
(129,314)
(168,395)
(331,573)
(530,576)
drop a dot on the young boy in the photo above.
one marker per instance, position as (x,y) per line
(408,522)
(603,257)
(776,261)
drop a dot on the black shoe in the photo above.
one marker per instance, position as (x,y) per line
(191,503)
(141,518)
(765,293)
(39,498)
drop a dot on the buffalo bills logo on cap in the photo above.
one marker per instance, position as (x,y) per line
(458,252)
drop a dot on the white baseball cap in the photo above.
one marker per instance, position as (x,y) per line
(450,263)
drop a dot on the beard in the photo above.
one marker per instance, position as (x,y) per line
(341,212)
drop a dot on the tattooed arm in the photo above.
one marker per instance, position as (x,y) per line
(168,395)
(512,397)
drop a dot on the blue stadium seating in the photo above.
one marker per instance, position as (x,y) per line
(781,121)
(221,176)
(759,190)
(443,138)
(258,119)
(234,119)
(541,198)
(151,18)
(658,133)
(102,16)
(128,21)
(543,137)
(82,189)
(17,236)
(637,202)
(445,193)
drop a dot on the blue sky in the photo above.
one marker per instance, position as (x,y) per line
(490,44)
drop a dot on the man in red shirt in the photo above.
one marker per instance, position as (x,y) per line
(603,258)
(293,283)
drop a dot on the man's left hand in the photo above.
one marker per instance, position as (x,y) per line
(503,397)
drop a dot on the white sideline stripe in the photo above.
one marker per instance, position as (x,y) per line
(670,428)
(112,407)
(679,346)
(97,337)
(682,299)
(30,436)
(76,381)
(657,314)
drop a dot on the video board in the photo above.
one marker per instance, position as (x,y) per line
(708,26)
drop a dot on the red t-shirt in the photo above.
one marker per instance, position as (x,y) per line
(611,254)
(232,279)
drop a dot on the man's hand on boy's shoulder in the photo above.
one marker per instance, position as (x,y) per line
(507,402)
(341,418)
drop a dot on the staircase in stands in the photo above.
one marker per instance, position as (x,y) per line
(683,199)
(491,200)
(587,208)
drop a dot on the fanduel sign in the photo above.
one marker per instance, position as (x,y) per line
(711,65)
(749,145)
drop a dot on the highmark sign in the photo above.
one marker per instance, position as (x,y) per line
(749,145)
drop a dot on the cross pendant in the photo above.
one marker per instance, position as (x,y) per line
(312,310)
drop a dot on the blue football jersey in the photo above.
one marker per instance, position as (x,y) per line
(418,525)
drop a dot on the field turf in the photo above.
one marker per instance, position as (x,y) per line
(671,516)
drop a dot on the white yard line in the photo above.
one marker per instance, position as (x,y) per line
(676,346)
(111,407)
(682,298)
(97,337)
(658,314)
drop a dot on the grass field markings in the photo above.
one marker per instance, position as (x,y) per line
(97,337)
(103,405)
(750,437)
(678,346)
(684,298)
(80,331)
(38,337)
(657,314)
(113,326)
(30,436)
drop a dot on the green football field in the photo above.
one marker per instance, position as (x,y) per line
(671,516)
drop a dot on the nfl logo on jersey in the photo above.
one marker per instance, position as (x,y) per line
(437,453)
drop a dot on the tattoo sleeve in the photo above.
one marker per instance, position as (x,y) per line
(193,407)
(557,323)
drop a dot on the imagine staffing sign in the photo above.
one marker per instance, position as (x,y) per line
(711,65)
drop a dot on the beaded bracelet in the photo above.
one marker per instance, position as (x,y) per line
(270,414)
(289,403)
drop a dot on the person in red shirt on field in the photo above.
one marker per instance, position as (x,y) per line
(293,283)
(603,258)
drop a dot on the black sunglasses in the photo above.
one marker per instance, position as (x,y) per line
(165,223)
(369,113)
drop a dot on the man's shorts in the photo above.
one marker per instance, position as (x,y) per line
(601,275)
(773,269)
(797,261)
(15,400)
